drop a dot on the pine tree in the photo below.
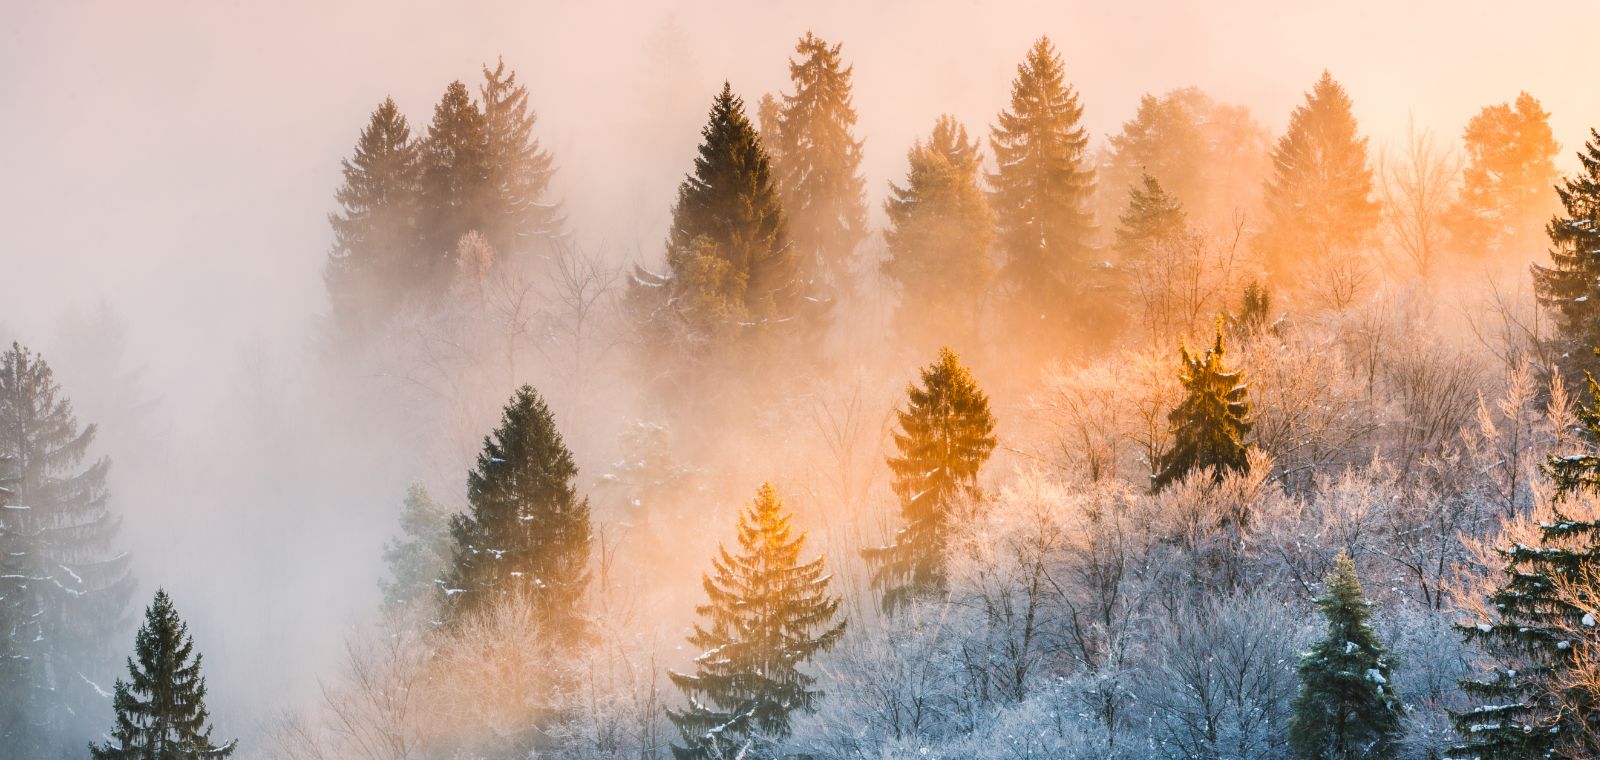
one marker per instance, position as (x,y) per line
(1210,426)
(1040,196)
(818,163)
(1505,186)
(63,588)
(731,270)
(938,239)
(1570,285)
(161,708)
(1525,713)
(375,263)
(766,614)
(457,189)
(1346,708)
(946,435)
(418,560)
(1319,198)
(1152,218)
(518,215)
(526,532)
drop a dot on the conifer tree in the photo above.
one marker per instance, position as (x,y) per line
(766,614)
(1526,712)
(938,239)
(161,708)
(730,268)
(1346,708)
(457,175)
(1570,285)
(1210,426)
(375,263)
(818,163)
(1505,186)
(946,435)
(526,532)
(1152,218)
(1040,195)
(1319,198)
(63,587)
(418,560)
(518,215)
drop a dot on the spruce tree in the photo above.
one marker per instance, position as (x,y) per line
(731,272)
(161,708)
(766,614)
(1210,427)
(419,558)
(456,189)
(1524,710)
(938,239)
(818,164)
(1152,219)
(1319,198)
(1040,195)
(518,214)
(526,532)
(1570,285)
(63,586)
(375,263)
(1346,708)
(1506,183)
(946,435)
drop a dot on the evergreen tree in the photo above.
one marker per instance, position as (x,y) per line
(161,709)
(1255,308)
(1505,186)
(818,163)
(457,191)
(1525,712)
(946,435)
(63,588)
(1152,218)
(1319,198)
(418,560)
(766,614)
(525,532)
(731,270)
(1040,196)
(518,215)
(1210,426)
(376,262)
(1346,708)
(1570,285)
(938,239)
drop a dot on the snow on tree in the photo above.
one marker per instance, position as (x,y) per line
(526,532)
(418,559)
(946,435)
(1347,707)
(161,708)
(1570,286)
(63,587)
(767,613)
(1210,426)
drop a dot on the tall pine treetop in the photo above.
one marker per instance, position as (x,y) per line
(457,171)
(160,710)
(519,170)
(1570,285)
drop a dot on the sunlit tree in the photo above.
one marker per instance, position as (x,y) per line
(1152,218)
(1211,426)
(946,435)
(1506,183)
(767,613)
(1570,285)
(519,214)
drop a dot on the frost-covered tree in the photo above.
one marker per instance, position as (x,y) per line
(1506,183)
(817,162)
(161,709)
(376,263)
(1347,707)
(518,213)
(767,613)
(63,585)
(418,558)
(1319,198)
(946,435)
(1211,426)
(938,239)
(1570,285)
(1040,197)
(526,531)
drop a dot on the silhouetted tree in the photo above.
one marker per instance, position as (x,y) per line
(1570,285)
(1210,427)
